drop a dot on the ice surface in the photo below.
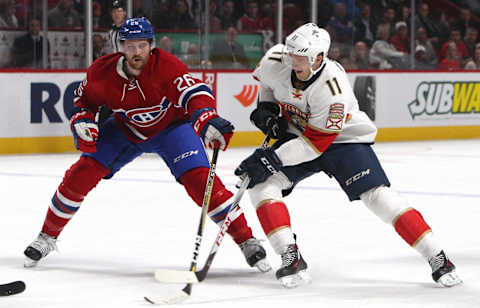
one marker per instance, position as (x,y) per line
(142,220)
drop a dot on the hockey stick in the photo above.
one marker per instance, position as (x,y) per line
(174,276)
(198,240)
(12,288)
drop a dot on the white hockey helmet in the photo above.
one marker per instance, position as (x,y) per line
(308,40)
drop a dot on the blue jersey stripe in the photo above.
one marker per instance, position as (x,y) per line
(185,97)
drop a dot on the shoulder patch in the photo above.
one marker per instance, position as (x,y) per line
(335,117)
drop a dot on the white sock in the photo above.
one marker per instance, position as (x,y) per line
(428,246)
(281,239)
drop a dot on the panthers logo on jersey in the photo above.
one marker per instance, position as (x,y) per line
(145,117)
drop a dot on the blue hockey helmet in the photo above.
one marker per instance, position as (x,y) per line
(136,29)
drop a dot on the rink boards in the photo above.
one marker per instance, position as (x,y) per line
(404,105)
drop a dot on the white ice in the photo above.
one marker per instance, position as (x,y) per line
(142,220)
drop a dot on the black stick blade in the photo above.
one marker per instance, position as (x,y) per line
(12,288)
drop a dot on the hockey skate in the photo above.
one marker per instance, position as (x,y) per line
(38,249)
(292,272)
(443,270)
(255,254)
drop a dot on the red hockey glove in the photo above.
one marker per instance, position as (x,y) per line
(211,128)
(85,130)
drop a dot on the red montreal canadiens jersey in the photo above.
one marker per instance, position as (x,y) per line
(163,93)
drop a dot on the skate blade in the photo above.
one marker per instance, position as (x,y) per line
(296,280)
(450,279)
(263,265)
(29,262)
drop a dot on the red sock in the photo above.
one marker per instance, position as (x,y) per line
(273,215)
(411,226)
(194,182)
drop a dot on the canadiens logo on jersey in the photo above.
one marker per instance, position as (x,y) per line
(145,117)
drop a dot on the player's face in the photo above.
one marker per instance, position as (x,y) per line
(301,66)
(137,53)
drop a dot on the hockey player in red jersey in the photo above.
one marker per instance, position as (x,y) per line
(307,103)
(158,108)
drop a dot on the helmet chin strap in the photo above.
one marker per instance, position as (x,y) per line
(312,71)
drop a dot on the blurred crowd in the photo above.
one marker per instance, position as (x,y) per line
(366,34)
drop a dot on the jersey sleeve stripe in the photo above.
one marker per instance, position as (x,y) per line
(319,141)
(321,130)
(195,90)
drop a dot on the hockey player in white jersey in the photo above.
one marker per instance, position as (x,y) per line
(306,102)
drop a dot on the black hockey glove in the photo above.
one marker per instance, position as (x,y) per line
(268,119)
(259,166)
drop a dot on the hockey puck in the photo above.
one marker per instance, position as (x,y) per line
(12,288)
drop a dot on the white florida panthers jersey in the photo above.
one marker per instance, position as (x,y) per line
(320,111)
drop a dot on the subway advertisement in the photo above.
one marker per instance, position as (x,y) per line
(405,106)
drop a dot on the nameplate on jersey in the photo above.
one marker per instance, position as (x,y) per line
(149,116)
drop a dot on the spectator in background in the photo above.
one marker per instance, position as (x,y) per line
(98,46)
(335,53)
(430,55)
(400,39)
(181,17)
(423,19)
(474,64)
(161,18)
(455,37)
(365,27)
(451,60)
(98,19)
(439,19)
(359,56)
(166,44)
(215,23)
(471,39)
(193,60)
(227,15)
(324,12)
(383,55)
(27,49)
(250,21)
(351,8)
(421,62)
(139,10)
(64,16)
(228,53)
(7,14)
(388,17)
(463,21)
(470,66)
(404,14)
(346,63)
(341,25)
(476,56)
(118,14)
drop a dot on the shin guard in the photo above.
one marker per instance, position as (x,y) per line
(82,177)
(194,182)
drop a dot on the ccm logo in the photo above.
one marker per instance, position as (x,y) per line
(184,155)
(267,164)
(202,118)
(357,176)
